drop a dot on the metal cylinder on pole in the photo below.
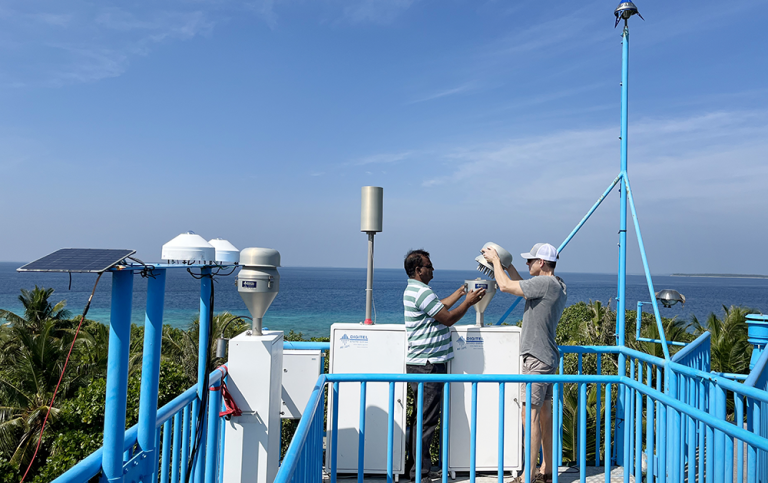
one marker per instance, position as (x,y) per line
(371,220)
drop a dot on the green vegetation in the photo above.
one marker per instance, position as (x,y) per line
(33,348)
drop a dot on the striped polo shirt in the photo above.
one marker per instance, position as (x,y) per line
(428,339)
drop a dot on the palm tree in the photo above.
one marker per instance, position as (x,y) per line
(28,378)
(730,350)
(180,346)
(37,309)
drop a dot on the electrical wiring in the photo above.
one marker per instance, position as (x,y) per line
(61,377)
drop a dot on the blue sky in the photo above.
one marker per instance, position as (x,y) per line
(124,124)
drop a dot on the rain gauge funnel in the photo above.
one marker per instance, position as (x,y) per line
(482,304)
(258,282)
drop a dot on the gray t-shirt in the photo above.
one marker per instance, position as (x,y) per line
(545,298)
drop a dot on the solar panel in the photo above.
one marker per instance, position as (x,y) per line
(85,260)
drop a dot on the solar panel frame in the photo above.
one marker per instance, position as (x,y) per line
(78,260)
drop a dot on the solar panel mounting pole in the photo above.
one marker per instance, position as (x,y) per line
(150,369)
(202,367)
(117,375)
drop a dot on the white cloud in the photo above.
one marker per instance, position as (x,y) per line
(91,43)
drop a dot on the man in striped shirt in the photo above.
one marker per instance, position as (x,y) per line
(427,319)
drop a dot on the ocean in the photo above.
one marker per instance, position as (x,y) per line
(311,299)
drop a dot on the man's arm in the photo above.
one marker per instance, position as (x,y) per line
(449,317)
(507,284)
(454,297)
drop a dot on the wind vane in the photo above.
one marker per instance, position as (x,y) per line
(624,11)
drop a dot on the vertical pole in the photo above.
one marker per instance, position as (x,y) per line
(150,368)
(621,298)
(117,375)
(369,281)
(361,435)
(206,283)
(391,433)
(214,403)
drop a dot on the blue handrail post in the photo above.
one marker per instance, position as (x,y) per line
(117,375)
(621,298)
(206,282)
(150,369)
(214,403)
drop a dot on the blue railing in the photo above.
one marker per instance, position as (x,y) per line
(176,431)
(675,413)
(757,418)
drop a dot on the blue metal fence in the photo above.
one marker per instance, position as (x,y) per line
(675,410)
(175,432)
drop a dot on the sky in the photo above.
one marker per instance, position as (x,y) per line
(124,124)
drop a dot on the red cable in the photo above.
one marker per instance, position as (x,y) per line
(63,369)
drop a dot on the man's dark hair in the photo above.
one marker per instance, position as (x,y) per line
(413,260)
(551,265)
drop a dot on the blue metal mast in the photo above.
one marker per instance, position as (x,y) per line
(622,12)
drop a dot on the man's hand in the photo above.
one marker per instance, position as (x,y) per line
(490,254)
(475,296)
(454,297)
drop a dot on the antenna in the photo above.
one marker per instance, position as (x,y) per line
(371,216)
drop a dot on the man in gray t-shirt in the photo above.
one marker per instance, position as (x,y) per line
(545,299)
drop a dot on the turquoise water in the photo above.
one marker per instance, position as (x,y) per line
(311,299)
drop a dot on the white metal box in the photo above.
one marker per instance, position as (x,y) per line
(376,349)
(252,441)
(485,350)
(301,368)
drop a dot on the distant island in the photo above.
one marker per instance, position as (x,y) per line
(718,275)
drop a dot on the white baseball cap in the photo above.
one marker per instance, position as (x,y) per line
(544,251)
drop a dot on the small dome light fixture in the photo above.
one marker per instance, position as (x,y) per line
(668,297)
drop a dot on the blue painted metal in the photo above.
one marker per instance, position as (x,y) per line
(185,435)
(597,411)
(607,433)
(446,430)
(500,476)
(334,431)
(589,213)
(638,443)
(391,433)
(117,375)
(646,268)
(509,310)
(757,327)
(204,336)
(472,435)
(582,403)
(361,435)
(92,465)
(622,272)
(150,370)
(176,455)
(527,428)
(212,443)
(419,429)
(166,452)
(638,324)
(309,428)
(296,345)
(649,425)
(557,427)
